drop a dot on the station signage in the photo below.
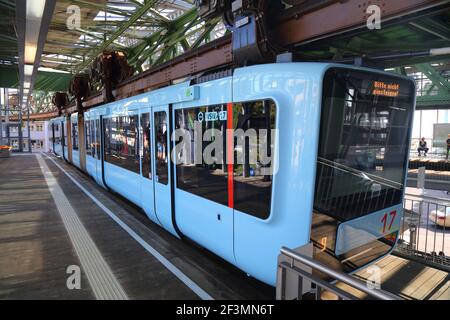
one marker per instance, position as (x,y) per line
(381,88)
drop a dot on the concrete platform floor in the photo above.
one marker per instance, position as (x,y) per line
(36,247)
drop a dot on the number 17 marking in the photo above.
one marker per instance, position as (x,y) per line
(393,214)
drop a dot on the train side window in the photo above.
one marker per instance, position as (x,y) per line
(74,136)
(162,173)
(97,138)
(252,166)
(57,134)
(64,135)
(146,146)
(207,178)
(107,139)
(93,139)
(52,139)
(87,127)
(121,142)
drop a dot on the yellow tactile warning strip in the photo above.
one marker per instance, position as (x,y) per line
(100,276)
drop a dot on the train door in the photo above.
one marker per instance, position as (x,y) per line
(204,210)
(53,137)
(68,124)
(64,140)
(91,157)
(93,146)
(100,140)
(161,167)
(97,152)
(145,152)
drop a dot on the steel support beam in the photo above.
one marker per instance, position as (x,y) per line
(336,18)
(215,54)
(433,102)
(435,77)
(343,16)
(136,15)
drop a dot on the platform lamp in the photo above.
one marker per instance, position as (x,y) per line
(33,19)
(34,14)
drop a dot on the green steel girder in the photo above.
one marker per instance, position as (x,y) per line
(8,4)
(173,39)
(430,30)
(42,101)
(206,33)
(437,101)
(401,70)
(45,81)
(101,6)
(164,40)
(132,19)
(435,77)
(441,100)
(8,39)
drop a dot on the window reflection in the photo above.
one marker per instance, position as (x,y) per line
(121,142)
(253,188)
(75,136)
(205,179)
(146,146)
(162,175)
(364,143)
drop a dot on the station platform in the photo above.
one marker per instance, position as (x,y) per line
(406,278)
(47,223)
(54,217)
(430,163)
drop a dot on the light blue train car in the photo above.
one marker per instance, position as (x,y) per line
(329,168)
(75,143)
(56,134)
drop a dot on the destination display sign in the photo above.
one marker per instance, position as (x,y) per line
(381,88)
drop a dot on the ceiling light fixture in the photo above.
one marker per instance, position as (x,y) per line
(35,11)
(28,70)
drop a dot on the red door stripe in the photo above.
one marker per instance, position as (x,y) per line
(230,154)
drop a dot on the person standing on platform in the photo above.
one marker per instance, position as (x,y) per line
(448,146)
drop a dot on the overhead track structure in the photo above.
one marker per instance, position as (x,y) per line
(165,47)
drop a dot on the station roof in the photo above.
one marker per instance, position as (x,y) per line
(154,31)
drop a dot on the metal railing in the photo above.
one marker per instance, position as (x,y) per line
(433,153)
(289,266)
(425,230)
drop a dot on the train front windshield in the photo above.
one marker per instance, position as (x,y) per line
(361,167)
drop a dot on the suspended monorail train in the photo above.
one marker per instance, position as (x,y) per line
(340,150)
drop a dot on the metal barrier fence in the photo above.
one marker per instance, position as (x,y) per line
(293,263)
(430,156)
(425,230)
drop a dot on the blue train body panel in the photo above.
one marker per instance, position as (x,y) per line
(74,131)
(91,166)
(56,144)
(252,244)
(123,182)
(76,158)
(197,217)
(296,90)
(58,149)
